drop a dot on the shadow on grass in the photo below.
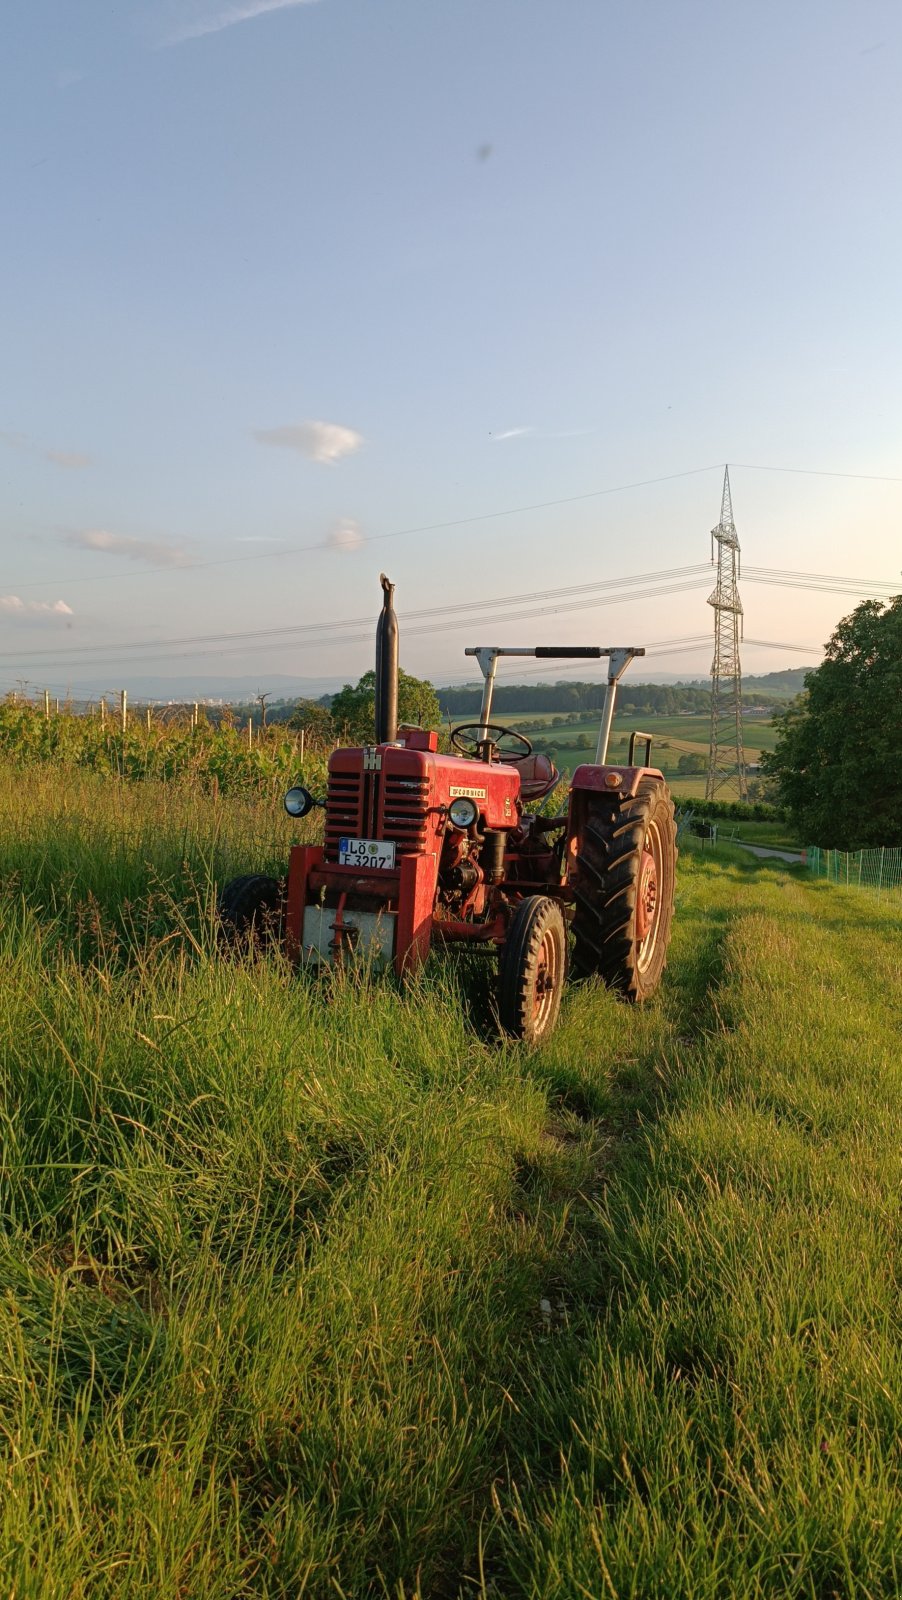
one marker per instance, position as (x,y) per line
(592,1285)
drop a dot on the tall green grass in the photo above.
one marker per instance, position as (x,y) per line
(311,1287)
(738,1425)
(106,862)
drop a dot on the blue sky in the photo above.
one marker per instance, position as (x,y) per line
(284,279)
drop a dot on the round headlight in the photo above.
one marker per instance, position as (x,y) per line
(463,811)
(299,801)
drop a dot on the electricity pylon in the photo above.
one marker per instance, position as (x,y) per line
(726,756)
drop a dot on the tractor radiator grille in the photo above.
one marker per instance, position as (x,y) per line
(405,804)
(344,810)
(368,805)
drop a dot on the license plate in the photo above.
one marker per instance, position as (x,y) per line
(366,853)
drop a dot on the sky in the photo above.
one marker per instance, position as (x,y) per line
(484,294)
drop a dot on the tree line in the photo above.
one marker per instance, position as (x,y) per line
(837,764)
(666,699)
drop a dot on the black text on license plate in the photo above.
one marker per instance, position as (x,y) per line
(367,853)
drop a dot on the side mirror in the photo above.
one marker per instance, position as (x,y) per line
(299,801)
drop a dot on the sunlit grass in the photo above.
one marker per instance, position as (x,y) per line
(317,1288)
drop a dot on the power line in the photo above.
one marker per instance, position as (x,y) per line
(87,655)
(800,649)
(676,647)
(457,522)
(376,538)
(817,577)
(311,631)
(300,630)
(658,647)
(816,472)
(872,591)
(304,635)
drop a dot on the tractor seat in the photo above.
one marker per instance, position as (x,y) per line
(538,776)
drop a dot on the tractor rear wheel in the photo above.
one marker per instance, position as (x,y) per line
(533,969)
(250,910)
(624,886)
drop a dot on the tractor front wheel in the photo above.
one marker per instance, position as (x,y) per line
(533,969)
(623,887)
(250,910)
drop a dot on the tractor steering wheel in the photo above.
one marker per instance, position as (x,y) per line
(472,738)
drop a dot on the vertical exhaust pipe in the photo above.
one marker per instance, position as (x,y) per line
(386,667)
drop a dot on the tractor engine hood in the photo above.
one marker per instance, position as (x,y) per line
(400,794)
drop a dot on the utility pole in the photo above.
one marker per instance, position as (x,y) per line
(726,755)
(123,708)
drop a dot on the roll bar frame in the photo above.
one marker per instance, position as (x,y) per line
(618,657)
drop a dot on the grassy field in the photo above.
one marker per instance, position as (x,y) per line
(681,734)
(321,1290)
(774,835)
(674,736)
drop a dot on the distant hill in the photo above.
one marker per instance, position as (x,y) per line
(786,684)
(790,682)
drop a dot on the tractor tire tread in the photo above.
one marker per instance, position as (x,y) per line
(606,889)
(250,908)
(518,958)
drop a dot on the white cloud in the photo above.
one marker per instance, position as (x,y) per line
(542,433)
(215,21)
(345,535)
(15,607)
(156,551)
(73,459)
(318,441)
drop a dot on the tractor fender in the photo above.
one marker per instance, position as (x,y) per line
(598,779)
(590,779)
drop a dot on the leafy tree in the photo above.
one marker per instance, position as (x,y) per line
(837,764)
(692,763)
(353,710)
(315,719)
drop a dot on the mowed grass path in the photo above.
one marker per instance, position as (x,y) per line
(322,1291)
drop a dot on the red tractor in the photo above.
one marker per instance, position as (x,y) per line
(422,847)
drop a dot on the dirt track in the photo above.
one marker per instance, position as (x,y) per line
(797,857)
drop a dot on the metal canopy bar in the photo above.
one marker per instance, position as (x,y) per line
(619,658)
